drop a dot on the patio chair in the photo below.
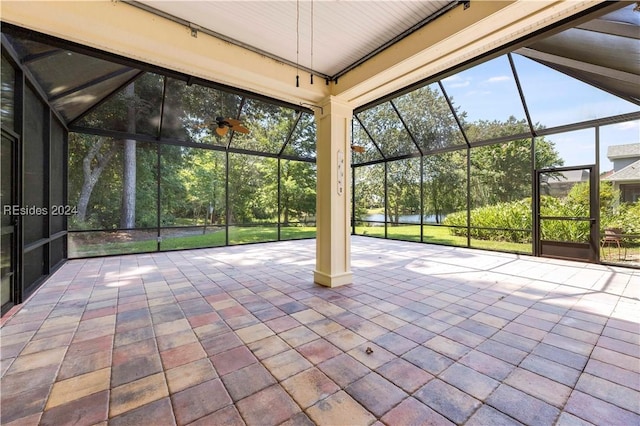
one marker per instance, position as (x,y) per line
(613,236)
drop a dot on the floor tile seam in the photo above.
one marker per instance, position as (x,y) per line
(51,311)
(302,409)
(379,418)
(578,413)
(277,382)
(601,334)
(586,373)
(5,320)
(502,383)
(547,281)
(340,388)
(482,403)
(623,340)
(572,387)
(164,371)
(66,352)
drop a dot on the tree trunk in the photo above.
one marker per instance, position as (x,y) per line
(91,175)
(128,212)
(285,220)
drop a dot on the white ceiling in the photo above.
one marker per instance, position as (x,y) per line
(339,33)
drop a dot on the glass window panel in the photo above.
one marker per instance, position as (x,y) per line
(487,100)
(34,168)
(28,47)
(77,103)
(135,109)
(103,243)
(620,192)
(576,148)
(193,197)
(57,250)
(512,241)
(403,191)
(403,232)
(98,192)
(33,266)
(565,206)
(429,118)
(269,127)
(57,176)
(387,130)
(369,200)
(445,235)
(253,198)
(445,187)
(190,112)
(403,199)
(303,139)
(445,198)
(555,99)
(297,200)
(501,188)
(500,173)
(362,142)
(67,70)
(7,101)
(624,138)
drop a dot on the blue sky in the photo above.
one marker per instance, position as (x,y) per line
(488,91)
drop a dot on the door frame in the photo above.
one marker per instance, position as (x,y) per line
(16,252)
(585,252)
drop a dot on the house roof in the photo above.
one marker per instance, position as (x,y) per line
(629,173)
(616,152)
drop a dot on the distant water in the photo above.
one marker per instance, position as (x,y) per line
(408,218)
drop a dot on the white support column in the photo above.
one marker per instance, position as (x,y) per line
(333,244)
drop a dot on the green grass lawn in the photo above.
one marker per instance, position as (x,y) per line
(80,246)
(237,235)
(439,235)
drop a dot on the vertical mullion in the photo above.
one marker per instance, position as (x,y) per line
(226,199)
(386,198)
(422,199)
(279,197)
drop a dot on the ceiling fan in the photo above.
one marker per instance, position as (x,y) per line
(224,124)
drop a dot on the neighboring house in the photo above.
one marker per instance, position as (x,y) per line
(626,171)
(559,184)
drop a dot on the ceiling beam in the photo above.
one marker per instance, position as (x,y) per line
(458,36)
(576,64)
(122,29)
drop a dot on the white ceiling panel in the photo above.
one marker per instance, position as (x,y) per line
(327,36)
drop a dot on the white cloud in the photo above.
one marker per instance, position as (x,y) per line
(498,79)
(461,84)
(628,125)
(456,81)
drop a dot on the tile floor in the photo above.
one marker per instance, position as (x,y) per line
(241,335)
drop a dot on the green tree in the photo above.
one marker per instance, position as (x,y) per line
(403,188)
(445,182)
(501,172)
(133,110)
(204,185)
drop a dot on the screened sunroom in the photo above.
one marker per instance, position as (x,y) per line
(507,151)
(320,212)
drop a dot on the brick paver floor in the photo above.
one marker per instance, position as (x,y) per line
(241,335)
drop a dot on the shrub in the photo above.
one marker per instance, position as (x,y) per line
(506,220)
